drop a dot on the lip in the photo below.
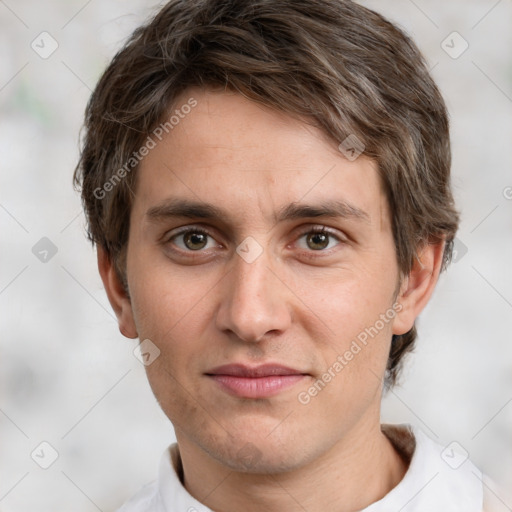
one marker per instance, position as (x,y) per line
(255,382)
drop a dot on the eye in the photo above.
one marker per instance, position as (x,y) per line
(192,239)
(319,239)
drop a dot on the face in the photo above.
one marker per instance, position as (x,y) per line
(258,258)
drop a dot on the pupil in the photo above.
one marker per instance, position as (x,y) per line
(320,240)
(192,240)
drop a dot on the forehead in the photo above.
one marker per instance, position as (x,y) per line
(229,150)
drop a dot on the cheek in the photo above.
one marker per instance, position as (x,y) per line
(355,312)
(354,355)
(163,298)
(173,311)
(171,319)
(347,302)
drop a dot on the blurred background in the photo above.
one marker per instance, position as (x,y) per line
(79,427)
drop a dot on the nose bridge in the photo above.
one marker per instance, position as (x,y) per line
(251,279)
(252,303)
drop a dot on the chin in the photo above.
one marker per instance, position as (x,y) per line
(247,454)
(252,460)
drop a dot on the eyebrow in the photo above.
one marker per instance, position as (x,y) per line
(171,208)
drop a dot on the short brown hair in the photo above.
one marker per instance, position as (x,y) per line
(337,64)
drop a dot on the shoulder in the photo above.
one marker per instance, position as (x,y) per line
(438,477)
(146,500)
(167,493)
(149,498)
(495,497)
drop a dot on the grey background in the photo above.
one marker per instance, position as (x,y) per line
(69,378)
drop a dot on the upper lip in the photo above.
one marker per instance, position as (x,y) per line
(264,370)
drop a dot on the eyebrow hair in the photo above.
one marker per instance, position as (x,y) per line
(329,208)
(293,211)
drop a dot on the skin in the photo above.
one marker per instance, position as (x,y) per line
(295,305)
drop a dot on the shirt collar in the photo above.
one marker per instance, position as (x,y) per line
(431,482)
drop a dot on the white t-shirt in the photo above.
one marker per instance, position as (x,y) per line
(439,479)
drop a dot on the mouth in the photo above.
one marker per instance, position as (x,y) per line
(255,382)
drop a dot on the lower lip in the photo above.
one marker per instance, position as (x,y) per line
(256,387)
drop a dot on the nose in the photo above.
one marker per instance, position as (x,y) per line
(255,301)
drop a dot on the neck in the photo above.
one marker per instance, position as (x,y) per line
(357,471)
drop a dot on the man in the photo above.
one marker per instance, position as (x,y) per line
(268,186)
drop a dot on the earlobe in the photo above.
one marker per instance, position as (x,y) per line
(418,286)
(117,295)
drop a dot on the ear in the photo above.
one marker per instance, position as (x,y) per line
(116,294)
(418,286)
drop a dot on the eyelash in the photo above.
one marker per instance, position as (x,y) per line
(185,231)
(310,230)
(321,230)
